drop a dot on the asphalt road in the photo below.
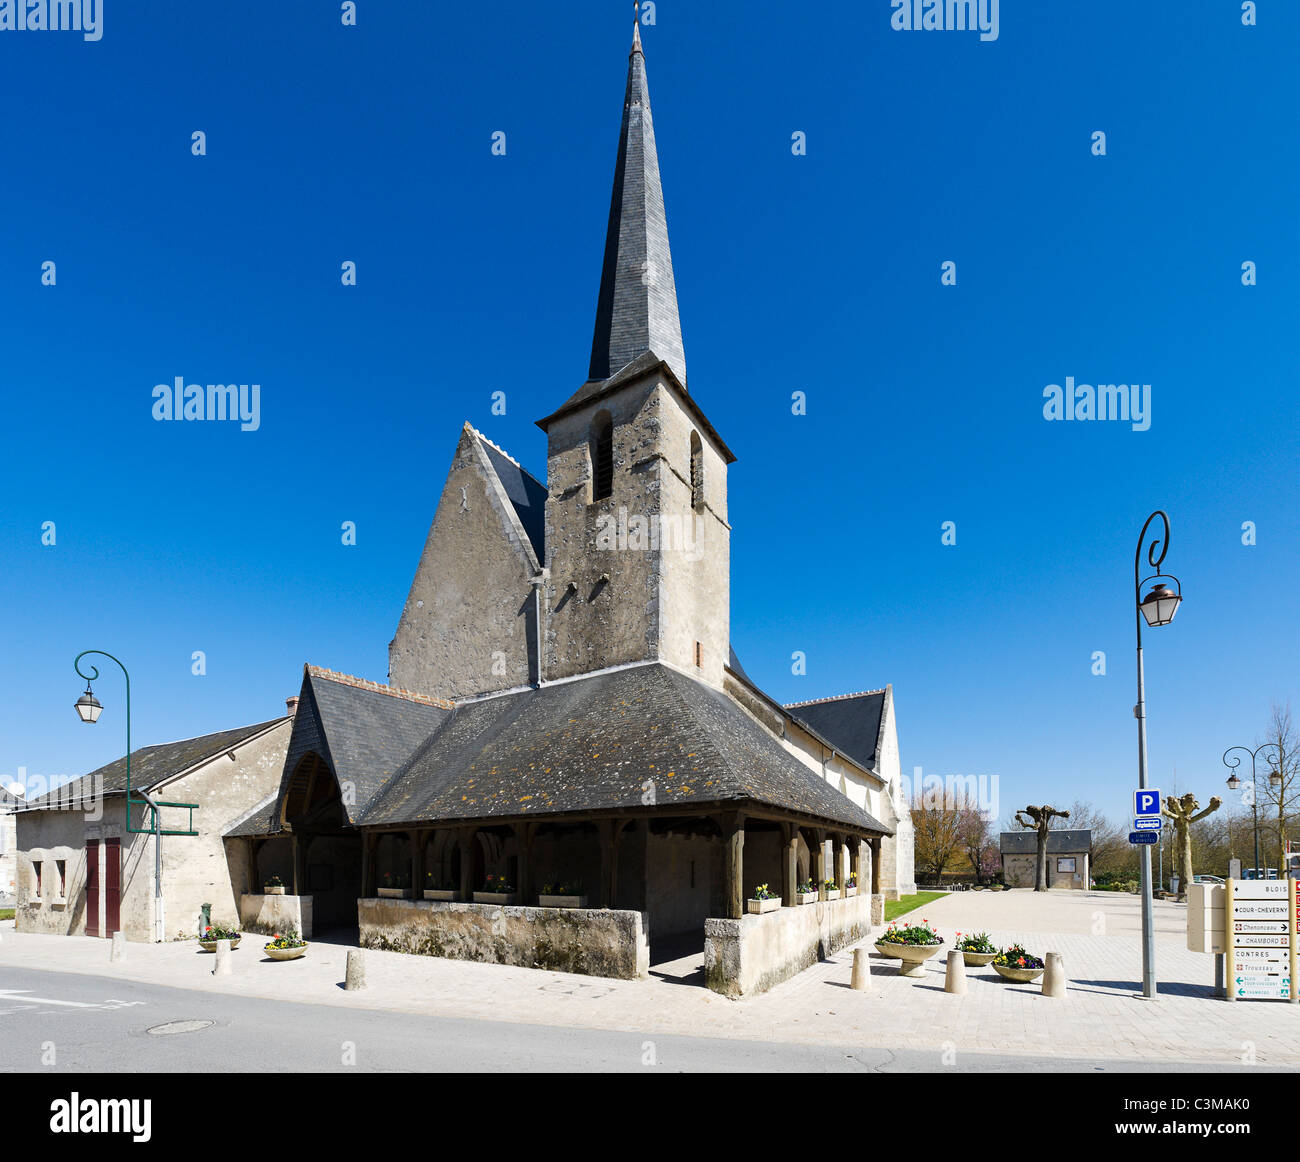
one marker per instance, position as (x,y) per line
(99,1024)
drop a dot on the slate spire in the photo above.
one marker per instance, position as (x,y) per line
(637,308)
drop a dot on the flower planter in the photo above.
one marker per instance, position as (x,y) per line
(762,907)
(394,893)
(913,956)
(978,959)
(831,895)
(286,953)
(1018,975)
(446,894)
(211,945)
(494,898)
(996,888)
(267,890)
(556,901)
(850,892)
(807,897)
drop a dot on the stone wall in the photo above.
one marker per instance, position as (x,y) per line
(272,915)
(591,941)
(751,955)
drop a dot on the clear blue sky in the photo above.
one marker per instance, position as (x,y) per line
(819,273)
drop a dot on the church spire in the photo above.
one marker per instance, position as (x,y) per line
(637,308)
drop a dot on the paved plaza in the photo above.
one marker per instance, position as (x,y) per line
(1097,933)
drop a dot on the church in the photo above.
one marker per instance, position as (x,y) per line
(568,767)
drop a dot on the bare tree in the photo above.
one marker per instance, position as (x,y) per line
(1183,813)
(1040,820)
(974,834)
(936,827)
(1280,802)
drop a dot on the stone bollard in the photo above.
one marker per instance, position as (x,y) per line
(117,946)
(955,980)
(1054,976)
(356,975)
(861,971)
(222,967)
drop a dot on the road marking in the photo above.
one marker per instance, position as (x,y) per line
(20,996)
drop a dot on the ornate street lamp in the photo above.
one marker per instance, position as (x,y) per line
(1234,781)
(1157,608)
(87,706)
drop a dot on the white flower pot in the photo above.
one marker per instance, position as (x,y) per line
(761,907)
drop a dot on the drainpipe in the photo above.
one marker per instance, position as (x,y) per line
(159,928)
(538,628)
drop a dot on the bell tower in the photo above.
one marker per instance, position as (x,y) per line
(637,539)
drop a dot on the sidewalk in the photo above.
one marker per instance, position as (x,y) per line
(1097,933)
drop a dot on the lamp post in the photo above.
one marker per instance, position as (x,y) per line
(88,709)
(1234,781)
(1157,608)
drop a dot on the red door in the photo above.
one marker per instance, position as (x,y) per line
(112,886)
(92,887)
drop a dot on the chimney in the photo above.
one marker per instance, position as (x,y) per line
(292,704)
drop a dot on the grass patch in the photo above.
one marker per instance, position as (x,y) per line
(905,904)
(6,913)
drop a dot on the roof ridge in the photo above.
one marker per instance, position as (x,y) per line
(378,687)
(833,698)
(494,444)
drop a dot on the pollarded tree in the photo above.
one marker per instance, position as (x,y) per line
(1040,820)
(1183,813)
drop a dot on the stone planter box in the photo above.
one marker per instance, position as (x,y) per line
(832,895)
(447,895)
(762,907)
(268,890)
(1018,975)
(211,945)
(286,953)
(913,956)
(850,892)
(978,959)
(506,898)
(807,897)
(395,893)
(558,901)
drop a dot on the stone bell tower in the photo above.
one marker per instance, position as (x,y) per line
(637,540)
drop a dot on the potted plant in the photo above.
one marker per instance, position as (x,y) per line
(913,945)
(395,886)
(976,949)
(289,946)
(1016,964)
(273,886)
(495,890)
(214,932)
(851,886)
(763,900)
(830,890)
(805,893)
(560,894)
(433,890)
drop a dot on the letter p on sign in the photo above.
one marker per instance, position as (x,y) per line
(1146,803)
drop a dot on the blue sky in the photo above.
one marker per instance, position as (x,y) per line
(818,273)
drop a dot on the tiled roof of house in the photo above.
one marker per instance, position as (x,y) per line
(593,744)
(1026,842)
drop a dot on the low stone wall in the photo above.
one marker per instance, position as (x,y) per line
(592,941)
(751,955)
(269,915)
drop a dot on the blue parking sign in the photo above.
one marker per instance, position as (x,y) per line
(1146,803)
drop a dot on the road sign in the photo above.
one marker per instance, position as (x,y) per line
(1260,890)
(1262,959)
(1147,823)
(1264,992)
(1146,802)
(1258,910)
(1137,838)
(1260,926)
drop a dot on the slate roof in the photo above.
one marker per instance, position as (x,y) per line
(264,819)
(1026,842)
(151,765)
(637,307)
(850,722)
(364,730)
(590,744)
(527,494)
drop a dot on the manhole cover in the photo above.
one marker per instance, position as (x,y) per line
(179,1027)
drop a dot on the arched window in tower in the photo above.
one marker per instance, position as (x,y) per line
(602,456)
(697,473)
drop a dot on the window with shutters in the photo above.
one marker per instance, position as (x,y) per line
(697,473)
(602,456)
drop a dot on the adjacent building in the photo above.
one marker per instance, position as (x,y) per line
(1067,859)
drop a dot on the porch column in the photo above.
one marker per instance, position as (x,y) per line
(466,841)
(733,831)
(819,862)
(837,860)
(300,864)
(251,852)
(855,860)
(417,864)
(524,842)
(605,832)
(367,863)
(875,866)
(790,865)
(613,861)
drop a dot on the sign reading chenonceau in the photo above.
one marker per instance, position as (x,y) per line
(1253,925)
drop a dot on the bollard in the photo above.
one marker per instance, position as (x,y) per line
(356,975)
(117,948)
(955,981)
(222,967)
(861,971)
(1054,976)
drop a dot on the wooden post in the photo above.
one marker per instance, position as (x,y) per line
(417,864)
(615,837)
(1291,933)
(253,885)
(820,863)
(733,830)
(855,861)
(1227,938)
(790,866)
(466,841)
(875,867)
(367,862)
(524,842)
(837,860)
